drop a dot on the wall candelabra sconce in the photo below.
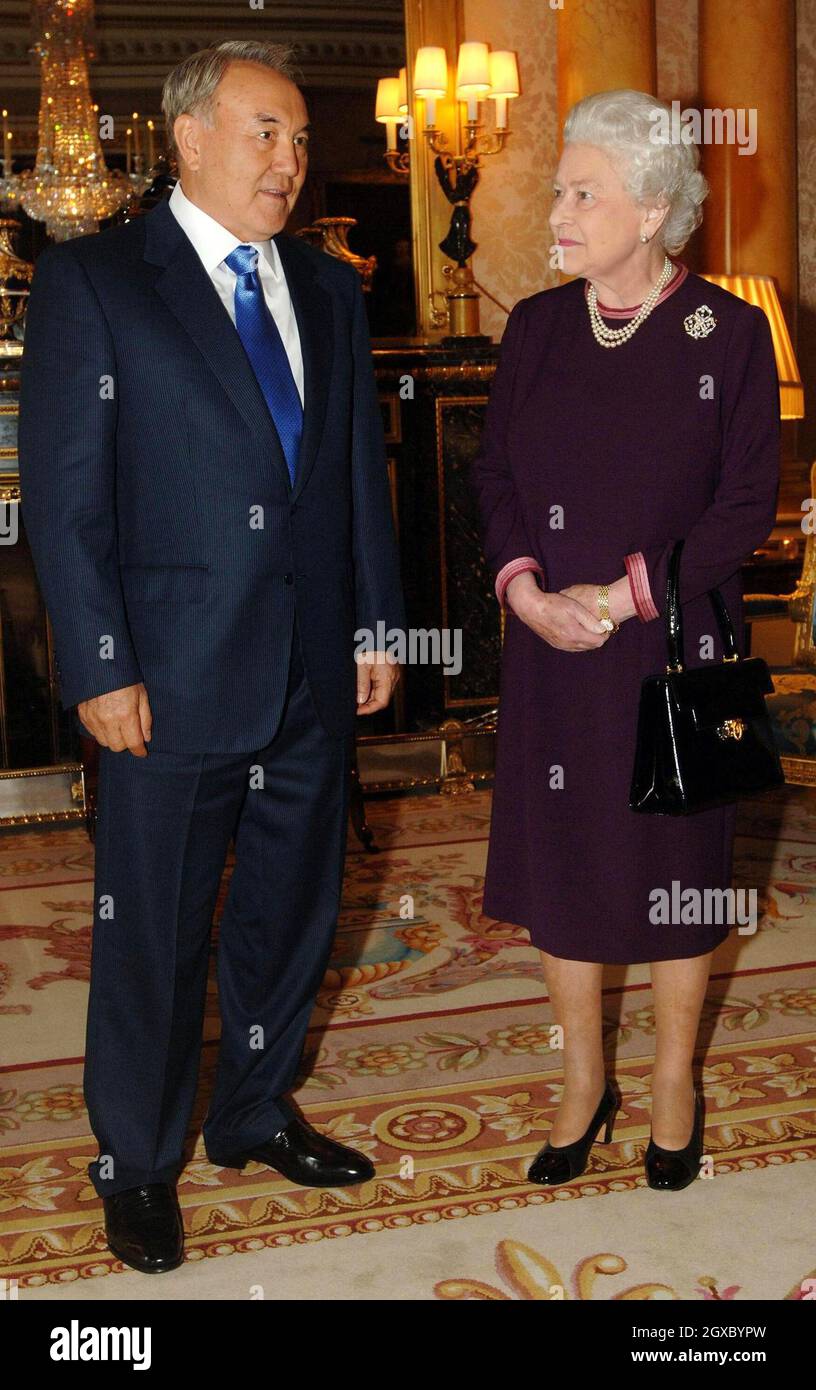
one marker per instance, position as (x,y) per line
(481,75)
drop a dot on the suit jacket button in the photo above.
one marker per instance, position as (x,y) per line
(288,578)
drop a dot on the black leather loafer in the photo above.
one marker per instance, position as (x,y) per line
(310,1159)
(144,1227)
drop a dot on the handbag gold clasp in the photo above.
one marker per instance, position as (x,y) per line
(732,728)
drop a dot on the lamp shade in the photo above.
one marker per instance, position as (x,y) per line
(761,291)
(504,78)
(387,108)
(403,92)
(472,71)
(431,72)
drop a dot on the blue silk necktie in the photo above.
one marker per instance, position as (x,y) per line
(264,348)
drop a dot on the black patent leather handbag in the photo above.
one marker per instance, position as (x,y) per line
(704,735)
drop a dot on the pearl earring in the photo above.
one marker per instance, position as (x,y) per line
(643,236)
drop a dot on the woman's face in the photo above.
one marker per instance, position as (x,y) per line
(596,224)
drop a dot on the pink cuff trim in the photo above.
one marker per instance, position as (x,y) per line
(639,584)
(510,570)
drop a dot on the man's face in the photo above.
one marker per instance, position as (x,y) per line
(246,169)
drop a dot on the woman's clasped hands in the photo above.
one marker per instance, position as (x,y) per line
(568,619)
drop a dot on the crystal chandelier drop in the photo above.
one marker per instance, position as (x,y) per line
(70,188)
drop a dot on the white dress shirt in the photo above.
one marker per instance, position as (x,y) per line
(213,242)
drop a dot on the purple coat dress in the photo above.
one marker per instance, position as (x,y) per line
(593,462)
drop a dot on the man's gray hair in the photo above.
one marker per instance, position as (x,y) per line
(190,86)
(630,127)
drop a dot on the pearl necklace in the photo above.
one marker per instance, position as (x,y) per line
(614,337)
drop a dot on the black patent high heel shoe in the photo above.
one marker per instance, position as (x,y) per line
(670,1170)
(555,1164)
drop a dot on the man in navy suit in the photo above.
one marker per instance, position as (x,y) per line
(205,493)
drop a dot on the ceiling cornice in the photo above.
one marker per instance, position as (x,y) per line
(345,45)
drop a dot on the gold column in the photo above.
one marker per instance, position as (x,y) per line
(749,217)
(438,22)
(749,223)
(603,44)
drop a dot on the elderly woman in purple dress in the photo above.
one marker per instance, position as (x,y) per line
(635,405)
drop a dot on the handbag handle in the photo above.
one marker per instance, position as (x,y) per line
(674,617)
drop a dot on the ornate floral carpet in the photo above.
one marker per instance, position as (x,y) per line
(429,1050)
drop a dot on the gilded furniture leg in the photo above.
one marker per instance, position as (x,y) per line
(357,810)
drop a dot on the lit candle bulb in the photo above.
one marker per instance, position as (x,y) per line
(387,109)
(472,76)
(430,80)
(504,83)
(127,147)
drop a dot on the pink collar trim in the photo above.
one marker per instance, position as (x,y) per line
(675,283)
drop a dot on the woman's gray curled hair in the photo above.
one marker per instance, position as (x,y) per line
(637,132)
(190,86)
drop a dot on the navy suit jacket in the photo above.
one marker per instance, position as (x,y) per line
(169,543)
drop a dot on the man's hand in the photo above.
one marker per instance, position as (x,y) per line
(377,677)
(120,719)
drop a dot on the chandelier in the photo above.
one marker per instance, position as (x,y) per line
(70,188)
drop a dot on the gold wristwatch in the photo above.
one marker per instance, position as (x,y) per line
(603,609)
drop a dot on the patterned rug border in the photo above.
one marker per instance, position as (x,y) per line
(426,1090)
(99,1262)
(60,1242)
